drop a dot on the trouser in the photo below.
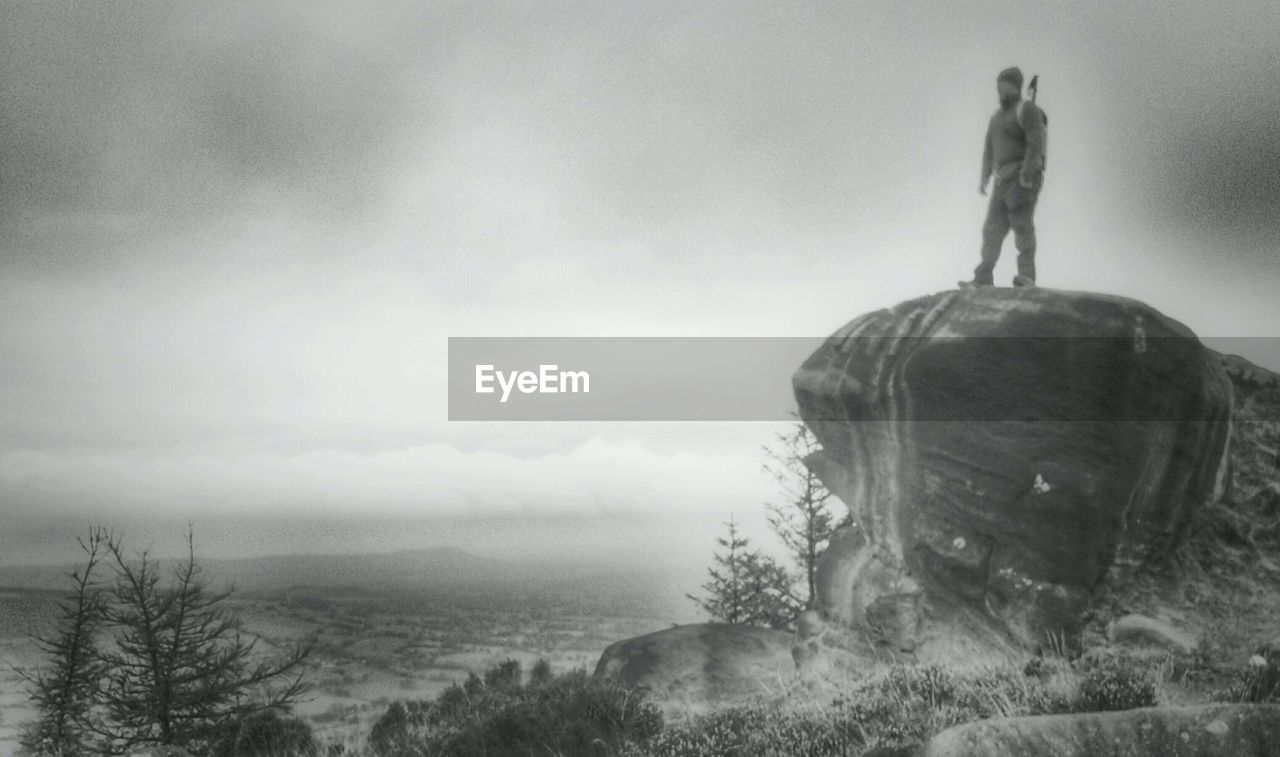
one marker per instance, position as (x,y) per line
(1012,207)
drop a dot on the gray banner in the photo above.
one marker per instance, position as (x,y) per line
(624,379)
(750,378)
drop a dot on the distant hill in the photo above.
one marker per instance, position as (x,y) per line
(423,568)
(439,569)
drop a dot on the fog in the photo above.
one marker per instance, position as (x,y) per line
(235,238)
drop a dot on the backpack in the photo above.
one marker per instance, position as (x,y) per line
(1034,88)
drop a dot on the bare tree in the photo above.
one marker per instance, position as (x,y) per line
(140,662)
(804,520)
(64,692)
(181,669)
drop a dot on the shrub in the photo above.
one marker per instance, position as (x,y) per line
(1261,681)
(571,714)
(266,734)
(540,674)
(749,731)
(1113,684)
(889,715)
(474,684)
(1258,683)
(390,733)
(505,675)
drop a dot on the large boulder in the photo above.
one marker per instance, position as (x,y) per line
(1201,731)
(1003,454)
(702,666)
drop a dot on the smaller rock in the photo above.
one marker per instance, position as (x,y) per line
(702,666)
(1141,629)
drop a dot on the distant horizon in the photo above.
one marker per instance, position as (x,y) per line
(561,561)
(50,540)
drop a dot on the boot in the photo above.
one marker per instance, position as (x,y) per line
(1023,281)
(973,284)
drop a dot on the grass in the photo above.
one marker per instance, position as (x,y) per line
(897,707)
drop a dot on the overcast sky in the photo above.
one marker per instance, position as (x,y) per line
(235,237)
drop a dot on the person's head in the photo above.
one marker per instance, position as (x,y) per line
(1009,85)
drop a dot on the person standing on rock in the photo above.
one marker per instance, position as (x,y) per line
(1014,152)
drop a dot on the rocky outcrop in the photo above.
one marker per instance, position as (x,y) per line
(702,666)
(1004,453)
(1204,731)
(1246,376)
